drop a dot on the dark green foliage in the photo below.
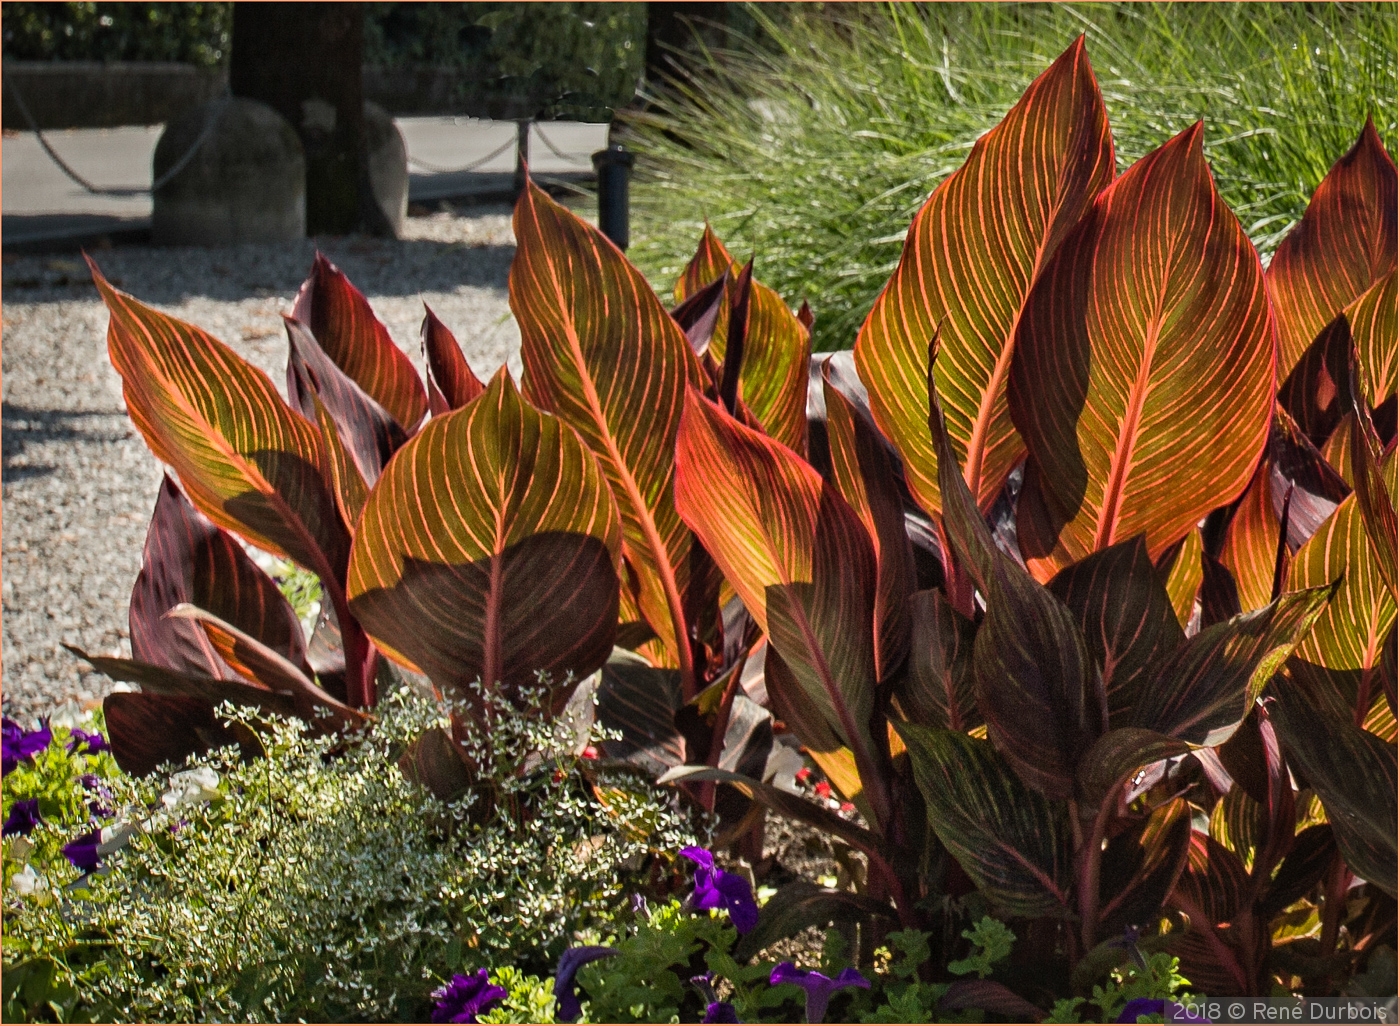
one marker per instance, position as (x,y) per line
(195,33)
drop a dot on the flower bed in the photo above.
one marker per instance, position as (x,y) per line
(1062,611)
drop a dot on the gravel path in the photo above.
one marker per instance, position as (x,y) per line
(78,481)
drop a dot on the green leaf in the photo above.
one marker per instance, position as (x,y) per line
(1010,840)
(970,258)
(1127,620)
(1143,373)
(799,558)
(340,318)
(1344,242)
(1354,773)
(490,549)
(939,688)
(603,355)
(1203,691)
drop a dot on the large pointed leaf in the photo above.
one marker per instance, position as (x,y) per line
(149,730)
(1141,867)
(1253,547)
(1121,607)
(602,353)
(970,258)
(365,429)
(1319,391)
(1354,773)
(1143,375)
(1339,660)
(862,472)
(1012,842)
(773,376)
(1037,689)
(1202,692)
(1300,473)
(1374,326)
(640,701)
(188,559)
(160,680)
(255,662)
(490,549)
(939,689)
(1344,242)
(1374,476)
(340,317)
(798,557)
(448,370)
(245,460)
(1116,758)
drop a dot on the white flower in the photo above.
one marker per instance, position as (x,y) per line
(190,786)
(27,882)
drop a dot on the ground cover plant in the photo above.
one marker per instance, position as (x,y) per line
(815,142)
(1074,582)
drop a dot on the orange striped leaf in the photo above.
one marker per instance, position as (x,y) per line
(490,549)
(970,258)
(340,317)
(1345,241)
(1143,377)
(801,561)
(448,370)
(862,472)
(1253,546)
(602,353)
(250,464)
(773,374)
(1341,659)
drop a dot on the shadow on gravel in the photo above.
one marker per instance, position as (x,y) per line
(172,275)
(24,426)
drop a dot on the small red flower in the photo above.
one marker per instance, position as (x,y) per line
(847,807)
(803,775)
(590,752)
(823,789)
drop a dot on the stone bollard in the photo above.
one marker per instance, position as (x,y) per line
(388,173)
(246,183)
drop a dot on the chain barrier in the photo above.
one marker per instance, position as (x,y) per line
(211,122)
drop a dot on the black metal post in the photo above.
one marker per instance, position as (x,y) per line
(614,167)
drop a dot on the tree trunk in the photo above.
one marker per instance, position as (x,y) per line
(303,60)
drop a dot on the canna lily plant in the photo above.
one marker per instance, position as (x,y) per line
(1076,579)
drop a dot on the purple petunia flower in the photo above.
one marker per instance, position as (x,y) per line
(463,998)
(720,1011)
(101,805)
(87,744)
(24,817)
(83,853)
(18,744)
(715,888)
(566,1003)
(819,987)
(1155,1006)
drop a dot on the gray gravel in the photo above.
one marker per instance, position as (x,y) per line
(78,481)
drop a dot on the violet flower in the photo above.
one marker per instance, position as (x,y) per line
(84,743)
(566,1003)
(18,744)
(819,987)
(1154,1006)
(101,805)
(715,888)
(24,817)
(463,998)
(83,853)
(720,1011)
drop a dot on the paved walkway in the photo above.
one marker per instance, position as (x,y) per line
(38,202)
